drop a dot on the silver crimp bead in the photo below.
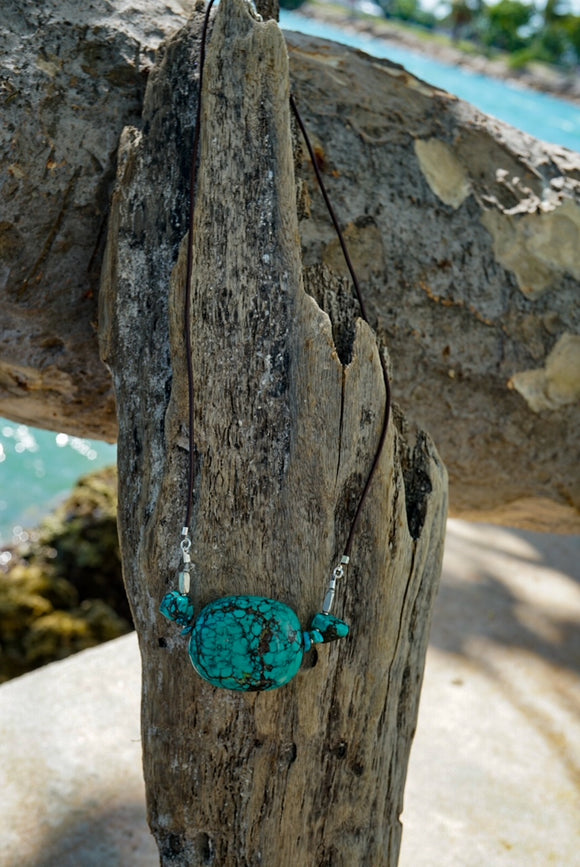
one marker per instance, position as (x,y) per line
(337,574)
(329,598)
(184,582)
(184,576)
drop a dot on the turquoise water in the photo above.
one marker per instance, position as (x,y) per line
(543,116)
(37,468)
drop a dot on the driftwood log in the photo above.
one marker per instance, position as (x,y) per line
(289,406)
(464,230)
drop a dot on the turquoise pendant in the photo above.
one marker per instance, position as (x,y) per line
(248,643)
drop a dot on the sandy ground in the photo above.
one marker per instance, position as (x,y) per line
(494,777)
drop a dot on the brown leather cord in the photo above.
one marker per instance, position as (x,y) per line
(363,312)
(189,272)
(187,312)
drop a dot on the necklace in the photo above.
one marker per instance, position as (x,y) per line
(254,643)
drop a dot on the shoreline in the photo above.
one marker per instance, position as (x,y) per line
(538,77)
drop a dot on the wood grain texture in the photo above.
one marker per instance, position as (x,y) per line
(286,432)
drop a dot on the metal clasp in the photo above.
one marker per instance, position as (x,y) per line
(337,574)
(184,575)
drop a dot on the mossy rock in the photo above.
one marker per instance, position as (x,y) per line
(80,539)
(59,633)
(62,591)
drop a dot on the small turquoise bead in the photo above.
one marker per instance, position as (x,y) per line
(330,627)
(178,607)
(247,643)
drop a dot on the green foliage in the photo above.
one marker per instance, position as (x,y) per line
(558,43)
(572,25)
(520,59)
(553,43)
(505,22)
(408,10)
(554,10)
(512,26)
(516,27)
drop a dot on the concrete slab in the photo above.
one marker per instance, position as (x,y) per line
(72,792)
(494,777)
(495,769)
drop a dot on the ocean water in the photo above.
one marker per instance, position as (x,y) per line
(38,468)
(545,117)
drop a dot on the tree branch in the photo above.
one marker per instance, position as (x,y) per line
(462,229)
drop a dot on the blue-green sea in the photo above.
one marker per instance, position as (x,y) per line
(545,117)
(38,468)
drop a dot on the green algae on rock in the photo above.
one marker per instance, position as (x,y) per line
(62,591)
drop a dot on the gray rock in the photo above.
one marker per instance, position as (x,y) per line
(71,76)
(72,791)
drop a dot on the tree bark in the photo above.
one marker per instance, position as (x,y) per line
(289,408)
(464,230)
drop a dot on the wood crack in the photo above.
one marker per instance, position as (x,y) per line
(340,424)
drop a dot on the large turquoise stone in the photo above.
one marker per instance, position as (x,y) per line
(247,643)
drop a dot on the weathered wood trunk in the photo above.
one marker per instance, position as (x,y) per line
(312,773)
